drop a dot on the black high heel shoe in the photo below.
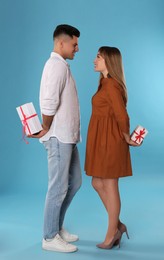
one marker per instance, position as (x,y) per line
(116,239)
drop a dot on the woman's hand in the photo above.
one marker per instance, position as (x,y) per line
(132,143)
(129,141)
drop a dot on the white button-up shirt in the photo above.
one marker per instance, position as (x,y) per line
(58,97)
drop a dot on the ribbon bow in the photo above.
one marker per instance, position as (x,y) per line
(25,124)
(139,136)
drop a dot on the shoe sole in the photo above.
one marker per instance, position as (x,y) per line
(59,250)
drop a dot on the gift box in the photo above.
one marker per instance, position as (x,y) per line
(139,134)
(29,118)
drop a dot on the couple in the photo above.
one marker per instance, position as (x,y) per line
(107,149)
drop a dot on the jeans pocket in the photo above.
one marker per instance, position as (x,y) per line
(52,147)
(45,144)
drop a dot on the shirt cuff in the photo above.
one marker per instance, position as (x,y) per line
(48,112)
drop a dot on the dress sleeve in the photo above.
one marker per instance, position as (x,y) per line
(116,99)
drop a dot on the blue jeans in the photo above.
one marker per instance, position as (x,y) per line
(64,181)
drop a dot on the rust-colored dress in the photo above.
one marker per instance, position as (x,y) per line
(107,153)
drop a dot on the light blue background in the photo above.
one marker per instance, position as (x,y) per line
(136,27)
(26,28)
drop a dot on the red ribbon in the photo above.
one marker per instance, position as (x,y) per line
(25,124)
(139,136)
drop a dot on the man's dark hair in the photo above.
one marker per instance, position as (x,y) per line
(67,30)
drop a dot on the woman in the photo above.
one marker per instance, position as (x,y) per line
(107,150)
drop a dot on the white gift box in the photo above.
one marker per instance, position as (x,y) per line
(29,118)
(139,134)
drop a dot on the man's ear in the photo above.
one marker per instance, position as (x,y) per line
(61,43)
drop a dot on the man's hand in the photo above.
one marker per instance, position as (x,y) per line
(39,135)
(47,121)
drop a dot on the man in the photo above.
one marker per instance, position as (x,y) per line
(61,132)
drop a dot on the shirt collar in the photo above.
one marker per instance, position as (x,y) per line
(55,54)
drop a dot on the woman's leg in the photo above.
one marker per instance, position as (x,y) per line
(113,207)
(109,194)
(97,184)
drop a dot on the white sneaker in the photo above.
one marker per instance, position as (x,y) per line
(59,245)
(67,236)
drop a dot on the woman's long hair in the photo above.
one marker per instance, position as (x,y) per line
(113,61)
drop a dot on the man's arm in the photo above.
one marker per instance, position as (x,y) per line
(47,121)
(50,95)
